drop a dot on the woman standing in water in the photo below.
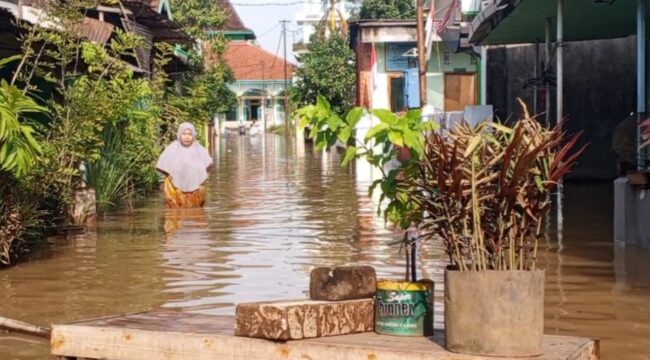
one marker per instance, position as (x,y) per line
(185,164)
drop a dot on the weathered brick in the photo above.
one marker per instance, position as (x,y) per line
(342,283)
(300,319)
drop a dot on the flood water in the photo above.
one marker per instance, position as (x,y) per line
(277,209)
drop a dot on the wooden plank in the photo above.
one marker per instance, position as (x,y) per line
(177,336)
(460,90)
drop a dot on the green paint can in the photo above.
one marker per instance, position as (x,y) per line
(404,308)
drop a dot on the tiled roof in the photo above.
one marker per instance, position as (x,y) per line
(234,22)
(250,62)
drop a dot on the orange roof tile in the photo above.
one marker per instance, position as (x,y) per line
(251,62)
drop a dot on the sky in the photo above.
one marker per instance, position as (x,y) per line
(264,20)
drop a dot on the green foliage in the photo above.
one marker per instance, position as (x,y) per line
(19,148)
(106,95)
(386,9)
(276,129)
(203,92)
(328,70)
(393,146)
(196,17)
(112,173)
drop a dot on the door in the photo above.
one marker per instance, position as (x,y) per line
(396,93)
(460,90)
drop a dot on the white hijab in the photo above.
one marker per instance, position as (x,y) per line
(187,165)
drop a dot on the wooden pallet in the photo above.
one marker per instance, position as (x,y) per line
(181,336)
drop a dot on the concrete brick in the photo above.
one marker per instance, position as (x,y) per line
(342,283)
(301,319)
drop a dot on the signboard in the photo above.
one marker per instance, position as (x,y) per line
(395,61)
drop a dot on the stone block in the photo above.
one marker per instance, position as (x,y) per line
(342,283)
(301,319)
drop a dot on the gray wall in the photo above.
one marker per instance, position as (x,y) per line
(599,87)
(631,213)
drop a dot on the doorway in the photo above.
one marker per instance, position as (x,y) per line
(254,110)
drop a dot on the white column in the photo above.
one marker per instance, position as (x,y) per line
(640,76)
(484,59)
(560,61)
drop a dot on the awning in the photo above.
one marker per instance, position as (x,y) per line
(523,21)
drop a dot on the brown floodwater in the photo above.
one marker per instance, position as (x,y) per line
(277,209)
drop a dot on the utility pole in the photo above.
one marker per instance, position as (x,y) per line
(286,81)
(422,59)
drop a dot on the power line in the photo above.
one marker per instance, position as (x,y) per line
(269,30)
(277,51)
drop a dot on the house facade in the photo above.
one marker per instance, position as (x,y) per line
(453,71)
(259,75)
(259,84)
(150,19)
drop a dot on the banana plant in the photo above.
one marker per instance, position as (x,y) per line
(334,21)
(19,148)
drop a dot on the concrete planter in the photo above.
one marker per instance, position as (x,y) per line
(494,313)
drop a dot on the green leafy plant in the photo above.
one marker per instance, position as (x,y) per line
(19,147)
(485,190)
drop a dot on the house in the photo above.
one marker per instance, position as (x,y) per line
(261,78)
(452,70)
(151,19)
(233,28)
(260,83)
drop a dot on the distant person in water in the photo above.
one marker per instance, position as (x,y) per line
(185,164)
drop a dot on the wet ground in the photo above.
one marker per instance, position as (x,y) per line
(274,211)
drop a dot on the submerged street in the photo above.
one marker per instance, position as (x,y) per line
(276,210)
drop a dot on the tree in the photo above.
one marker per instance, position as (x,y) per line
(202,92)
(386,9)
(328,70)
(197,17)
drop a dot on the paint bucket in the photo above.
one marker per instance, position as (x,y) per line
(404,308)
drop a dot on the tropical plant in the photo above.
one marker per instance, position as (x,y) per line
(485,190)
(112,172)
(18,146)
(333,22)
(328,70)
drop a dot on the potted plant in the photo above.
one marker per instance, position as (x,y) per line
(393,145)
(485,191)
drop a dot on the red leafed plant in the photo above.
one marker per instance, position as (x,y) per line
(485,190)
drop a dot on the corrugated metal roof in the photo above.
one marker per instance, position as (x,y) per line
(96,30)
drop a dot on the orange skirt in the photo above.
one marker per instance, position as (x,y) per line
(175,198)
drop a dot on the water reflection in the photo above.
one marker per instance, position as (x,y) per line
(275,210)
